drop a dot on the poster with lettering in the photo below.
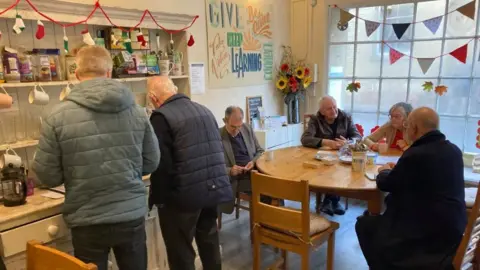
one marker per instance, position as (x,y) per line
(240,44)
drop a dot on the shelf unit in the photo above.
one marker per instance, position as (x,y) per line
(59,83)
(19,144)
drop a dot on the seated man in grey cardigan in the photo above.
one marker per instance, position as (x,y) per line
(331,128)
(241,150)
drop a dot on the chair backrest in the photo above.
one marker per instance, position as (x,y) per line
(306,118)
(282,218)
(40,257)
(468,249)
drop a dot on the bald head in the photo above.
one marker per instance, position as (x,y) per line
(160,88)
(327,106)
(421,121)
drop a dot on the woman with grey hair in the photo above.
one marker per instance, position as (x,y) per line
(394,131)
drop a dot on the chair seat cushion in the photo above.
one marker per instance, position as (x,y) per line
(470,194)
(318,224)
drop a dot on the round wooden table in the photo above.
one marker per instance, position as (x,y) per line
(337,179)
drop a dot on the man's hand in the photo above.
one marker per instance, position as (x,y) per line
(236,170)
(374,147)
(341,141)
(332,144)
(402,144)
(249,166)
(384,167)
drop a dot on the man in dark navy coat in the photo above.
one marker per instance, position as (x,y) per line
(426,215)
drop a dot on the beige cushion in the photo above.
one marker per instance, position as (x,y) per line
(318,224)
(470,194)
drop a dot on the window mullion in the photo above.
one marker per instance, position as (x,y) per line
(411,59)
(355,47)
(442,48)
(381,64)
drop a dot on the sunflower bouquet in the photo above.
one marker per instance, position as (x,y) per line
(292,78)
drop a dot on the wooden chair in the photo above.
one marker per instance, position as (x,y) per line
(468,252)
(286,228)
(306,118)
(239,197)
(40,257)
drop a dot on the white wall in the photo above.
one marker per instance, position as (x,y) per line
(218,99)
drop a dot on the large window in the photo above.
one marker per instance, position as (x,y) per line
(355,56)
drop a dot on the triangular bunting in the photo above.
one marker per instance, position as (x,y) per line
(371,27)
(468,10)
(345,16)
(425,63)
(460,53)
(433,24)
(400,29)
(395,55)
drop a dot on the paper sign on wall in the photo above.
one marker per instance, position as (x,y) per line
(197,78)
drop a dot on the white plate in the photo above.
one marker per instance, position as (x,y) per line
(346,159)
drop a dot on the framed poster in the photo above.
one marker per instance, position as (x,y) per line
(240,45)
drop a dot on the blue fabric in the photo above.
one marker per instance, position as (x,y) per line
(99,144)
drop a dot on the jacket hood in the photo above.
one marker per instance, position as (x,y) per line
(102,95)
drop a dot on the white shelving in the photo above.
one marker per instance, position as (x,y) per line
(59,83)
(19,144)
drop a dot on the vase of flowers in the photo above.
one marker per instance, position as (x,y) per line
(293,79)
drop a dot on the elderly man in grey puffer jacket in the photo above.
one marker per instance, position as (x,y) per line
(99,143)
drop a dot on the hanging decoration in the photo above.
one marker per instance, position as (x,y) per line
(441,89)
(40,30)
(360,129)
(461,53)
(65,40)
(87,38)
(478,135)
(19,25)
(141,38)
(400,29)
(427,86)
(353,87)
(432,24)
(425,63)
(127,42)
(395,55)
(191,41)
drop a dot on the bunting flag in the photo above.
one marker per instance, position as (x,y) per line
(433,24)
(395,55)
(425,63)
(400,29)
(460,53)
(371,27)
(468,10)
(345,16)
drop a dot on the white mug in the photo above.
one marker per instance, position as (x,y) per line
(165,67)
(10,157)
(269,156)
(65,92)
(177,69)
(38,97)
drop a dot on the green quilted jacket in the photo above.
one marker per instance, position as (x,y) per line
(98,143)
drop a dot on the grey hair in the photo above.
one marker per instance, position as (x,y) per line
(320,101)
(231,109)
(405,106)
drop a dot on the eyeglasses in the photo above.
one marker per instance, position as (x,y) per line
(395,116)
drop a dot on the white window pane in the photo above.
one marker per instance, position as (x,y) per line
(368,60)
(341,61)
(453,128)
(476,72)
(393,91)
(475,98)
(428,10)
(420,98)
(373,14)
(366,99)
(426,49)
(453,67)
(336,89)
(471,137)
(399,14)
(399,68)
(459,24)
(367,120)
(337,35)
(454,101)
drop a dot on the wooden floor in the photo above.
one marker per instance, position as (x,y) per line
(237,252)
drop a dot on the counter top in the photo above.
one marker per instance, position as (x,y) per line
(36,208)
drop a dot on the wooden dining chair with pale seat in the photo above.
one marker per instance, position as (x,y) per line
(40,257)
(288,229)
(468,252)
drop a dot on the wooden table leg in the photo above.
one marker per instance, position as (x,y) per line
(375,203)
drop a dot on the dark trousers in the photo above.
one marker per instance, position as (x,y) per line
(385,251)
(92,244)
(2,265)
(178,230)
(333,198)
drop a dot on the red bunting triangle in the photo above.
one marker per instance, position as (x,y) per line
(461,53)
(395,55)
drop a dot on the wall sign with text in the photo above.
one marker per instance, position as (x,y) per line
(240,45)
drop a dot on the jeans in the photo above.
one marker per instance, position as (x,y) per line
(180,227)
(92,244)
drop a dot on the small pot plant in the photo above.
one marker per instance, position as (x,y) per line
(358,146)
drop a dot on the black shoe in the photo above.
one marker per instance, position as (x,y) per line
(365,214)
(338,209)
(327,208)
